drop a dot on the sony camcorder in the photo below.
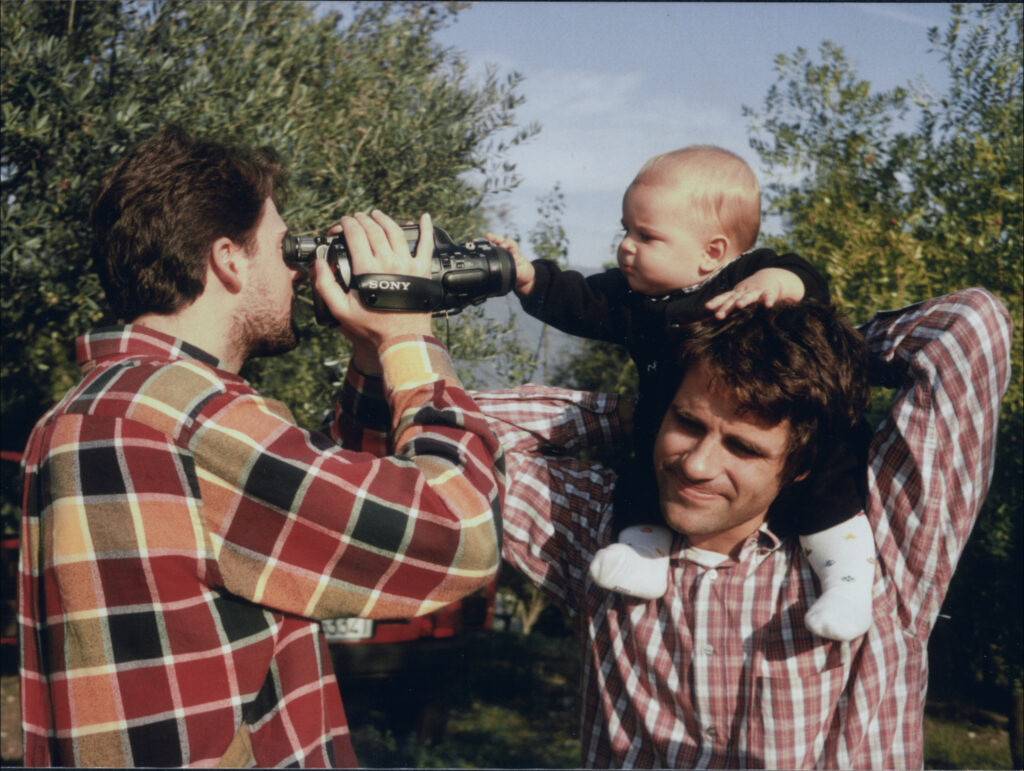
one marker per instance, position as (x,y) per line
(460,275)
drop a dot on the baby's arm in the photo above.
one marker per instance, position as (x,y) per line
(767,286)
(525,272)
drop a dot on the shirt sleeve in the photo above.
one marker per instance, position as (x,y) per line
(560,421)
(815,283)
(556,510)
(590,307)
(931,458)
(361,418)
(305,526)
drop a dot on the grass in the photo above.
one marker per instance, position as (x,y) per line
(955,739)
(515,707)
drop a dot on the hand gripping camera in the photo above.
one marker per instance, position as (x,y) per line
(460,274)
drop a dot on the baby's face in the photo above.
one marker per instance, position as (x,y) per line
(663,247)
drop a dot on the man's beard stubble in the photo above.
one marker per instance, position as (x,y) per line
(262,333)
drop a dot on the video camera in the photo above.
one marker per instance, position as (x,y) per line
(460,274)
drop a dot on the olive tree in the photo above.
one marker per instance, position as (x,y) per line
(367,111)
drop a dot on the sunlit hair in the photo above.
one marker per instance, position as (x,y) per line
(722,188)
(158,212)
(803,363)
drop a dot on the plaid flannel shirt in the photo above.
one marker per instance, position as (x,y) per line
(721,672)
(181,535)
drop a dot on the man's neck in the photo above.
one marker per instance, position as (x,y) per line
(210,332)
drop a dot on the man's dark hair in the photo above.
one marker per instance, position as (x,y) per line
(158,212)
(804,363)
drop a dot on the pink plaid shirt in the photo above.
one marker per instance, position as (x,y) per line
(720,672)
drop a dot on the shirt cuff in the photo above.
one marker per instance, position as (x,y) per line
(410,361)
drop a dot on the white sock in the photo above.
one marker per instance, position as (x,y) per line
(843,558)
(637,565)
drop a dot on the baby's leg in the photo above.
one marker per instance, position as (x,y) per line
(843,558)
(638,564)
(837,540)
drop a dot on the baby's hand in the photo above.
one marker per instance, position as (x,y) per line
(767,286)
(524,269)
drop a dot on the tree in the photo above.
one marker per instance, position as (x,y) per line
(548,241)
(368,111)
(895,212)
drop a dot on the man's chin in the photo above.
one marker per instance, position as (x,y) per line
(277,344)
(688,518)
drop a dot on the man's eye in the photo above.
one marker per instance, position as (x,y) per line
(688,425)
(744,450)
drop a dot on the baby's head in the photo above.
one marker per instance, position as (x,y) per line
(687,213)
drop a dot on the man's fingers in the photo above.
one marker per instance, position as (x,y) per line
(327,287)
(358,245)
(425,247)
(379,239)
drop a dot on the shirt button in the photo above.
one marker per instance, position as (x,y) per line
(710,732)
(712,574)
(709,649)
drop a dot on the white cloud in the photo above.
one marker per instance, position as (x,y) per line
(907,14)
(597,128)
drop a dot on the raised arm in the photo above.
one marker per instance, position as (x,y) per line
(590,307)
(379,534)
(559,420)
(931,458)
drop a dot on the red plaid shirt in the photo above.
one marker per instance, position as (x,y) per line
(181,535)
(720,672)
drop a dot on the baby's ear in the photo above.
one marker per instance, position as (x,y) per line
(716,251)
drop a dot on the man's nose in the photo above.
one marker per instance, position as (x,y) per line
(702,460)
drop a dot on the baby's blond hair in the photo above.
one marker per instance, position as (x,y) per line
(722,187)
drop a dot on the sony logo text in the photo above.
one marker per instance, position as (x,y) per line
(400,286)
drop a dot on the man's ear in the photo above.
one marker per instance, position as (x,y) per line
(227,264)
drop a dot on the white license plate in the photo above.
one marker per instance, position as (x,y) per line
(348,628)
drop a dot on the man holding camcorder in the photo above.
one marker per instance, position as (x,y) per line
(181,535)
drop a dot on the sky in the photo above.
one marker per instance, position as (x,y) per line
(613,84)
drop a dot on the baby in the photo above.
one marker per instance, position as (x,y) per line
(690,219)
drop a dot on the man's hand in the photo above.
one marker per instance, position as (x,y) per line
(376,244)
(525,273)
(767,287)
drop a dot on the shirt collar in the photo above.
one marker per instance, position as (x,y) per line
(132,340)
(762,541)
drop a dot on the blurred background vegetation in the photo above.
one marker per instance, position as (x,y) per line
(369,110)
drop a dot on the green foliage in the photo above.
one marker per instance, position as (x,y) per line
(895,212)
(950,744)
(599,366)
(548,241)
(368,112)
